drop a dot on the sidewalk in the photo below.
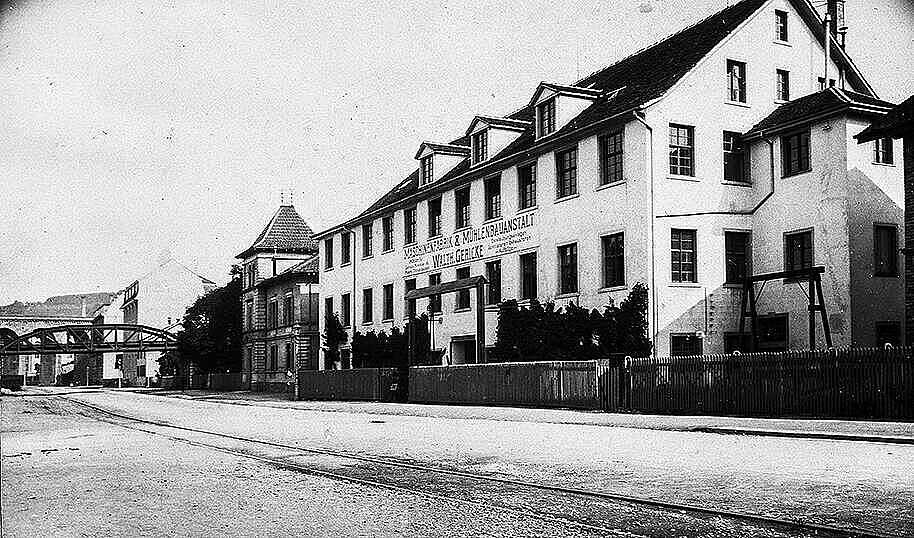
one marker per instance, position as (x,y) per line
(845,430)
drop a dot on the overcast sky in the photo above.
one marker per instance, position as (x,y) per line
(128,129)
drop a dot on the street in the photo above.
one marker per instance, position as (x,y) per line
(145,465)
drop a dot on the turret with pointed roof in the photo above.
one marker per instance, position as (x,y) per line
(286,232)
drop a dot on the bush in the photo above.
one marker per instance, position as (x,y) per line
(380,350)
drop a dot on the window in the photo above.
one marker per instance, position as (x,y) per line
(795,153)
(434,217)
(528,275)
(493,197)
(463,296)
(566,164)
(885,250)
(736,81)
(367,305)
(685,344)
(328,306)
(735,161)
(409,225)
(526,186)
(493,275)
(290,357)
(737,342)
(427,170)
(682,256)
(367,246)
(798,252)
(410,285)
(682,148)
(272,313)
(346,309)
(288,316)
(388,301)
(738,256)
(328,253)
(462,207)
(249,315)
(610,158)
(387,231)
(882,151)
(141,370)
(346,248)
(274,357)
(545,113)
(783,88)
(888,333)
(780,25)
(434,302)
(480,142)
(568,268)
(613,260)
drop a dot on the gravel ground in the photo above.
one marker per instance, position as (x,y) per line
(867,485)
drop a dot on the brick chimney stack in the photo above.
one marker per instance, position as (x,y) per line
(837,26)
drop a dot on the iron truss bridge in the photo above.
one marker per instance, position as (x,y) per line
(110,338)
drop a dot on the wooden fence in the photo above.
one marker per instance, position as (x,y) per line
(213,381)
(857,382)
(378,384)
(537,384)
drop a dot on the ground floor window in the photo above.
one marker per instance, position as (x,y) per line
(463,296)
(388,301)
(290,357)
(493,275)
(798,250)
(568,268)
(737,342)
(528,275)
(141,370)
(274,357)
(685,344)
(772,332)
(434,302)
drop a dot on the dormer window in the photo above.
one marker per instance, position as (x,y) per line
(480,143)
(545,117)
(427,170)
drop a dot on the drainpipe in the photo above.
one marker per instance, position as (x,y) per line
(638,115)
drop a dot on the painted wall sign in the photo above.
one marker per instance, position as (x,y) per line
(481,242)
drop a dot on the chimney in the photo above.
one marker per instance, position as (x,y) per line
(837,27)
(84,306)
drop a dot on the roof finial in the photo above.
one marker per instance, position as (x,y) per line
(282,197)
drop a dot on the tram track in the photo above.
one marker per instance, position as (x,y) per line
(400,469)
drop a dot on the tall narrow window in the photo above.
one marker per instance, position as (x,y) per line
(273,313)
(249,313)
(328,253)
(795,154)
(493,197)
(493,275)
(288,310)
(798,250)
(345,248)
(388,302)
(410,285)
(736,81)
(545,115)
(462,207)
(387,229)
(346,309)
(682,149)
(568,268)
(434,302)
(367,246)
(610,146)
(427,170)
(367,305)
(783,85)
(434,217)
(290,357)
(528,275)
(734,158)
(883,152)
(682,256)
(613,260)
(409,225)
(328,306)
(885,250)
(738,253)
(274,357)
(780,25)
(566,164)
(480,143)
(526,186)
(463,296)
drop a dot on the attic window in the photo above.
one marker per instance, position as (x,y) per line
(780,25)
(427,170)
(545,117)
(480,143)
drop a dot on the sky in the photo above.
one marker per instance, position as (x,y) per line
(135,130)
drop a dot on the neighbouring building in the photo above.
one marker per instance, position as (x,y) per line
(158,299)
(723,151)
(280,310)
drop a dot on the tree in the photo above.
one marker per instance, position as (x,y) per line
(210,335)
(334,336)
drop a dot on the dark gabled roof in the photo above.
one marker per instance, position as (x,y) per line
(446,149)
(898,123)
(816,105)
(579,91)
(503,123)
(286,232)
(308,269)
